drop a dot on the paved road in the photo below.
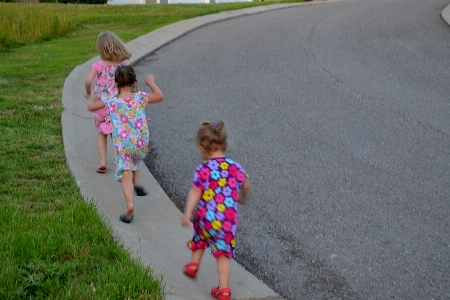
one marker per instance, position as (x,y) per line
(340,114)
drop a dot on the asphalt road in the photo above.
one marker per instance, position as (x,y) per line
(340,113)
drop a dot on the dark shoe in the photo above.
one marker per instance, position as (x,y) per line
(140,191)
(126,220)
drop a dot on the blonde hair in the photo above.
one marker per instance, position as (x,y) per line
(111,48)
(212,136)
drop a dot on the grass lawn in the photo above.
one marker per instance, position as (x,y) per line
(53,244)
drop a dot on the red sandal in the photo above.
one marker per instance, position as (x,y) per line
(189,270)
(219,294)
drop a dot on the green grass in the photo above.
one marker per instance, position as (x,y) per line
(53,244)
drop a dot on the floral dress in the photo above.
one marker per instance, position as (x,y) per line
(104,87)
(216,219)
(130,132)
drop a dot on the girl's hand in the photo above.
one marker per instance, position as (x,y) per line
(150,79)
(185,220)
(93,97)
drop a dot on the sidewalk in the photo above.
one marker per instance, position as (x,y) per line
(155,233)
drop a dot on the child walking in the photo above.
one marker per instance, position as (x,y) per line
(216,184)
(130,130)
(112,52)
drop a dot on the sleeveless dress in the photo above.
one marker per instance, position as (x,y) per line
(104,87)
(216,218)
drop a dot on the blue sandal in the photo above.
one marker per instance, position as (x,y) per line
(126,220)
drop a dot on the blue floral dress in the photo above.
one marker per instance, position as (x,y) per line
(216,218)
(130,132)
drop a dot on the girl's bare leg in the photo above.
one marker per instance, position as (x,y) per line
(196,256)
(102,140)
(136,178)
(224,271)
(127,188)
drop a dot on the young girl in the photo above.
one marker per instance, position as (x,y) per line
(216,184)
(113,53)
(130,130)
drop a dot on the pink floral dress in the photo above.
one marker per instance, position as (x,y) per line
(216,218)
(130,132)
(104,87)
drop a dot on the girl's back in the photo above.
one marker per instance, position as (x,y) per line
(104,85)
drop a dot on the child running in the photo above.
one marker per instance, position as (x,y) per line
(130,130)
(112,52)
(216,185)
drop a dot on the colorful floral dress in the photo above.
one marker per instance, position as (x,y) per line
(104,87)
(130,132)
(216,218)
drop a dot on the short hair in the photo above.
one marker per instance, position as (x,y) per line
(124,76)
(110,47)
(212,136)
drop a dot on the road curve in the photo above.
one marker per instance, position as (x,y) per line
(340,114)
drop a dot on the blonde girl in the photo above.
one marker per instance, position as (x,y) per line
(100,84)
(216,185)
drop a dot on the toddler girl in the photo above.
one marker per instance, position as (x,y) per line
(113,53)
(130,130)
(216,185)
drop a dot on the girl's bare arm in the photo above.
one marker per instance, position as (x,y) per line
(157,95)
(192,201)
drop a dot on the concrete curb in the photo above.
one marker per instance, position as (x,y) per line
(155,234)
(445,14)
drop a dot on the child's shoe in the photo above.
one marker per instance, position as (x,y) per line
(140,191)
(190,269)
(219,294)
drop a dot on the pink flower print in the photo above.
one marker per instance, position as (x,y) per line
(232,182)
(219,198)
(241,177)
(113,107)
(235,195)
(227,226)
(208,225)
(139,143)
(199,231)
(232,170)
(123,134)
(204,173)
(202,245)
(201,212)
(229,214)
(213,184)
(126,158)
(138,124)
(228,238)
(123,119)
